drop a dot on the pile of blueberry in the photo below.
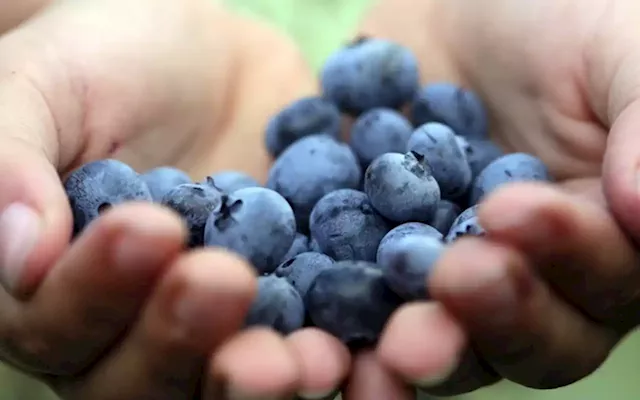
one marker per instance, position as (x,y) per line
(344,231)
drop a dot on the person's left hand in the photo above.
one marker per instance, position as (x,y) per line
(552,288)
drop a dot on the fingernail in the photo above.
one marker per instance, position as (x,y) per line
(19,233)
(318,396)
(190,310)
(492,293)
(523,222)
(438,377)
(139,251)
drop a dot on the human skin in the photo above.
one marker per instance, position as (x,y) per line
(194,86)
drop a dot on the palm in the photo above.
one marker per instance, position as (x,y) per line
(165,88)
(534,74)
(528,62)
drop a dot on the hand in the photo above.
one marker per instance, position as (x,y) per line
(553,287)
(124,312)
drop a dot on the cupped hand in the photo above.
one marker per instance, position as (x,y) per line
(545,296)
(124,312)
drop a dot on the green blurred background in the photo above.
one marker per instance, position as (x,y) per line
(319,26)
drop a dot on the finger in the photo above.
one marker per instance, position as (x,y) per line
(93,293)
(428,348)
(576,244)
(587,188)
(323,361)
(621,169)
(255,364)
(200,302)
(35,220)
(525,332)
(370,380)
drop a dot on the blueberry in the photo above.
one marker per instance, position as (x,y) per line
(459,108)
(277,305)
(438,145)
(480,153)
(407,264)
(397,234)
(409,229)
(445,215)
(515,167)
(468,213)
(230,181)
(352,302)
(347,227)
(162,179)
(311,168)
(301,270)
(402,188)
(304,117)
(468,227)
(370,73)
(96,186)
(379,131)
(300,245)
(256,223)
(193,202)
(314,246)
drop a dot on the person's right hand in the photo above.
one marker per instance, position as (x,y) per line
(123,312)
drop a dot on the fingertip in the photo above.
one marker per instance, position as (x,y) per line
(256,363)
(144,219)
(30,182)
(203,298)
(478,279)
(371,380)
(513,197)
(228,276)
(621,168)
(528,215)
(324,362)
(422,344)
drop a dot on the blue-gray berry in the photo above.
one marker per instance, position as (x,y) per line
(309,169)
(99,185)
(445,215)
(194,203)
(347,227)
(438,145)
(256,223)
(377,132)
(370,73)
(300,245)
(402,188)
(514,167)
(163,179)
(278,305)
(302,118)
(230,181)
(454,106)
(408,262)
(352,302)
(301,270)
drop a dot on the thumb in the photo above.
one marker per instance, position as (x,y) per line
(35,219)
(621,168)
(621,165)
